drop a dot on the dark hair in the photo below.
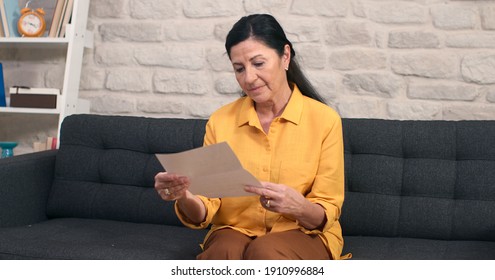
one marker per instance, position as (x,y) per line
(265,28)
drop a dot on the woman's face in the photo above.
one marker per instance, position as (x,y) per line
(260,70)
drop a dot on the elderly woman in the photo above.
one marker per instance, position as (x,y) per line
(284,134)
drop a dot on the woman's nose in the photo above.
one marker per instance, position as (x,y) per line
(250,76)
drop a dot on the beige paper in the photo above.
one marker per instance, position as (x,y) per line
(214,170)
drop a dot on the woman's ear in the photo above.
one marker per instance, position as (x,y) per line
(286,56)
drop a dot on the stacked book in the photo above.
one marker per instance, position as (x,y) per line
(33,97)
(49,144)
(57,15)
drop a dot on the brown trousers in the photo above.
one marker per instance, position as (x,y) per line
(228,244)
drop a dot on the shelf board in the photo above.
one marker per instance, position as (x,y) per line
(19,110)
(42,42)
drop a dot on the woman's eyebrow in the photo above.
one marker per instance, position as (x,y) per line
(251,59)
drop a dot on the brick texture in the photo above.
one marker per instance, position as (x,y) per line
(373,59)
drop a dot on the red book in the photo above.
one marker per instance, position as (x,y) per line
(51,143)
(54,143)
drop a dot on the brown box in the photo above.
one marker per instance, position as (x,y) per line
(27,100)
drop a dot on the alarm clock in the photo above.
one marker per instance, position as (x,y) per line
(31,22)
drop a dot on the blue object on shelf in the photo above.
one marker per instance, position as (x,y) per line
(8,149)
(12,12)
(3,102)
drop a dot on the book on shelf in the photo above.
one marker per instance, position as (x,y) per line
(12,14)
(27,97)
(57,15)
(30,90)
(62,13)
(67,15)
(3,100)
(5,27)
(49,144)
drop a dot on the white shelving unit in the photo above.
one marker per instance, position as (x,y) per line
(76,39)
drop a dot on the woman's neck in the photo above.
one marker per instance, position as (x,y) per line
(269,111)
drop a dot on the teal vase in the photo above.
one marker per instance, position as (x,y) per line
(8,149)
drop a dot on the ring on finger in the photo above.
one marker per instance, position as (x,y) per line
(267,203)
(166,191)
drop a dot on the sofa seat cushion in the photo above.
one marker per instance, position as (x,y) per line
(390,248)
(74,238)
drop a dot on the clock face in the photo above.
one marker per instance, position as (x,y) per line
(31,24)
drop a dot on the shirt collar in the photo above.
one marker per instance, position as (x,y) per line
(292,112)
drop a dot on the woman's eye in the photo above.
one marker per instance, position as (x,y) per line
(258,64)
(239,70)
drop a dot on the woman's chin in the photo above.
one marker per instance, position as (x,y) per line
(258,95)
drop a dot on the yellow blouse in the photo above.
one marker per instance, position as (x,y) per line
(303,150)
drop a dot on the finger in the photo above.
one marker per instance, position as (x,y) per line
(164,180)
(182,183)
(165,192)
(177,195)
(252,189)
(267,203)
(170,194)
(164,195)
(167,177)
(183,180)
(259,191)
(162,176)
(273,187)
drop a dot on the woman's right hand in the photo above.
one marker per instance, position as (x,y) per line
(176,187)
(171,186)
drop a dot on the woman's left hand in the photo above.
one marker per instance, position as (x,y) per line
(279,198)
(290,203)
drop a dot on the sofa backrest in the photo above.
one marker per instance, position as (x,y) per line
(424,179)
(105,166)
(427,179)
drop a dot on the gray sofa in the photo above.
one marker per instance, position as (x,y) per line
(414,190)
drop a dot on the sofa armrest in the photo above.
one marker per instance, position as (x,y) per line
(25,182)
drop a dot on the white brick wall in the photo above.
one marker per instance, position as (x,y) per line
(422,59)
(411,59)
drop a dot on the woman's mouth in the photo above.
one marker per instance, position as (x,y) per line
(253,89)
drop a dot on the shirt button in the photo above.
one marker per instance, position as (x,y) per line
(265,169)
